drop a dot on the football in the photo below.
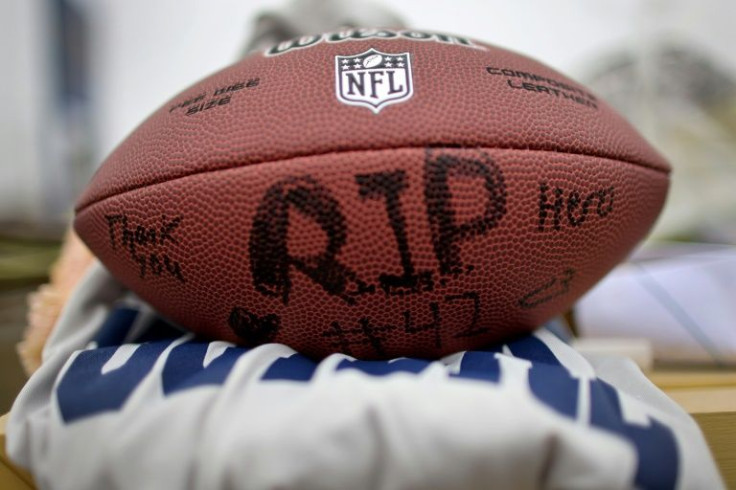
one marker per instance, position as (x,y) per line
(375,192)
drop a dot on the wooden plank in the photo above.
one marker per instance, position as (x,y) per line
(720,433)
(667,379)
(12,477)
(707,400)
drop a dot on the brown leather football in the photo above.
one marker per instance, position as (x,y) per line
(375,192)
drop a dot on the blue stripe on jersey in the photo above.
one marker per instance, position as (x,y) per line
(656,447)
(84,391)
(479,365)
(384,368)
(116,327)
(293,368)
(550,382)
(185,369)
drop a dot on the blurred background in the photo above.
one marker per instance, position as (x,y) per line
(78,75)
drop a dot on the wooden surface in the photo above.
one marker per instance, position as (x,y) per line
(719,429)
(11,477)
(710,397)
(675,379)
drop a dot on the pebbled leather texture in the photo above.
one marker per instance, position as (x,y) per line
(257,206)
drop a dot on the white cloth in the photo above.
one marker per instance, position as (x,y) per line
(679,297)
(125,400)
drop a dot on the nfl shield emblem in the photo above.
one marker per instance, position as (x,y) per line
(373,79)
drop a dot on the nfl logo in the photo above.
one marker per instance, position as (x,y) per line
(373,79)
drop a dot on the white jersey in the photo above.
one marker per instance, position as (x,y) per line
(126,400)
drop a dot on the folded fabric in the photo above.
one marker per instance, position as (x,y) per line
(124,399)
